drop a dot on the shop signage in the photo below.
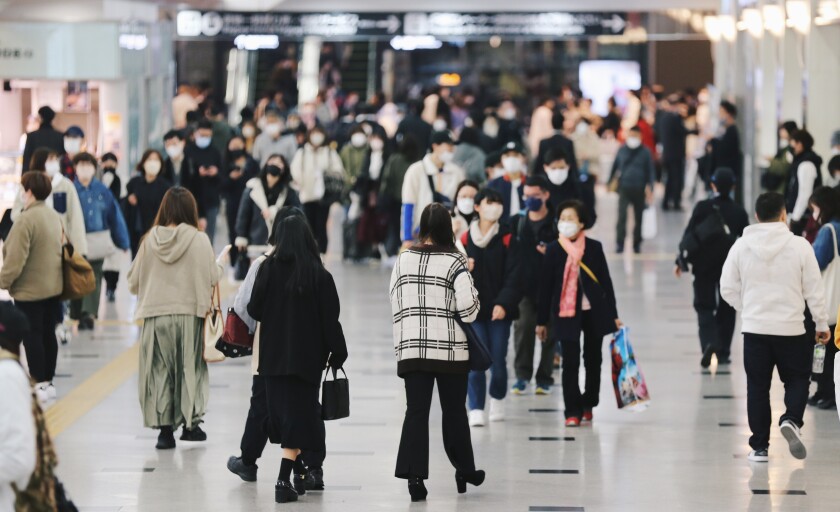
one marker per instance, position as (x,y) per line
(193,24)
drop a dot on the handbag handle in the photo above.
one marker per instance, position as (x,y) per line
(335,373)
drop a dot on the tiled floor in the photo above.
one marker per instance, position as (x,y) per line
(687,452)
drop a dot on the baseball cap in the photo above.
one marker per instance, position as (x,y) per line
(75,131)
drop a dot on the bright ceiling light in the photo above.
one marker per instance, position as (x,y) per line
(711,24)
(728,30)
(774,19)
(799,15)
(751,22)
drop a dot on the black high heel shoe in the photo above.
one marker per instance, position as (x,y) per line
(462,479)
(417,489)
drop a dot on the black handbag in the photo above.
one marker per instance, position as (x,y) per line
(335,396)
(480,358)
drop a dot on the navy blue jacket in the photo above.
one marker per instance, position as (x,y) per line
(601,296)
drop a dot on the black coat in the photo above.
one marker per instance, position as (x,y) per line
(792,190)
(601,296)
(207,189)
(298,332)
(496,274)
(140,218)
(672,133)
(505,188)
(708,263)
(530,258)
(44,137)
(185,177)
(232,188)
(556,141)
(250,223)
(415,126)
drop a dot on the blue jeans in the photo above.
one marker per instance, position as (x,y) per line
(496,335)
(212,217)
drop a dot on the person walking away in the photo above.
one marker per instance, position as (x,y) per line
(576,297)
(106,233)
(390,189)
(772,319)
(296,302)
(273,141)
(262,199)
(434,274)
(145,196)
(510,185)
(805,177)
(634,169)
(493,260)
(207,165)
(715,318)
(533,232)
(777,175)
(240,168)
(255,435)
(44,137)
(314,165)
(825,203)
(726,147)
(463,212)
(183,103)
(173,277)
(111,266)
(18,440)
(434,179)
(32,273)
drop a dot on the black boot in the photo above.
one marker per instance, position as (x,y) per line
(284,492)
(462,479)
(706,360)
(193,434)
(315,479)
(166,439)
(238,467)
(417,489)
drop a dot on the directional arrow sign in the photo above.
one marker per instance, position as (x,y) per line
(616,23)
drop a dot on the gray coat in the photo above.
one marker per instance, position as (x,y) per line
(471,159)
(634,167)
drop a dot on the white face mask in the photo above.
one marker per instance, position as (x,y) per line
(491,128)
(203,142)
(508,114)
(557,176)
(439,125)
(358,139)
(466,205)
(293,123)
(272,129)
(377,144)
(491,212)
(581,128)
(633,142)
(72,145)
(567,228)
(316,139)
(248,131)
(52,167)
(175,150)
(85,172)
(446,156)
(152,167)
(499,172)
(512,163)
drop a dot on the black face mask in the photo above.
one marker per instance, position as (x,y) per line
(109,169)
(273,170)
(236,154)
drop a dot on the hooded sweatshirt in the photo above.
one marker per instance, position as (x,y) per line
(174,273)
(769,276)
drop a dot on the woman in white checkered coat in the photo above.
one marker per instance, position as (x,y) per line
(430,285)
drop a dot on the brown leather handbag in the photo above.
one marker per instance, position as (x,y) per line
(79,280)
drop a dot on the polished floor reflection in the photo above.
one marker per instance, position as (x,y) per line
(687,452)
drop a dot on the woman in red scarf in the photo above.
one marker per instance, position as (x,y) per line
(577,295)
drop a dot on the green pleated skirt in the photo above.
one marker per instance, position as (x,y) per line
(174,383)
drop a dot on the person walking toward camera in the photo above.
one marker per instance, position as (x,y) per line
(430,285)
(633,174)
(770,276)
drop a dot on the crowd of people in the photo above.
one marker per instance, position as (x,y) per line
(484,223)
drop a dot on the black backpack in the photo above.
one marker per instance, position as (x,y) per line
(712,227)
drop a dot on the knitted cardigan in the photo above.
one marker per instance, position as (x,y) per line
(425,297)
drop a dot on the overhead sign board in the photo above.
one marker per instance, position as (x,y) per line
(192,24)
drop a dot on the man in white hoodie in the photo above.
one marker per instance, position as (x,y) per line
(769,277)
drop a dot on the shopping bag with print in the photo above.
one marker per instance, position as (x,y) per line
(649,227)
(631,392)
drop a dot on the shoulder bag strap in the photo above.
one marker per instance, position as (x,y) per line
(586,269)
(834,238)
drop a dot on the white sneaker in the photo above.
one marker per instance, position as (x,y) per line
(758,456)
(497,410)
(41,393)
(794,438)
(63,334)
(476,418)
(52,394)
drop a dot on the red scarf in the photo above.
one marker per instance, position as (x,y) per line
(571,274)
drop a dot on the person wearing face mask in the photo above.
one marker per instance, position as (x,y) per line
(373,223)
(434,179)
(469,155)
(177,169)
(635,174)
(240,168)
(111,268)
(249,132)
(32,273)
(556,141)
(576,297)
(493,166)
(463,212)
(44,137)
(494,263)
(777,174)
(533,230)
(715,318)
(106,232)
(562,182)
(262,198)
(352,158)
(834,170)
(510,185)
(273,140)
(489,137)
(207,178)
(319,176)
(353,155)
(74,139)
(510,130)
(805,177)
(145,194)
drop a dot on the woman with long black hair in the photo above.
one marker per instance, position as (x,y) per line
(296,302)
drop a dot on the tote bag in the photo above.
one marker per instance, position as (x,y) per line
(831,276)
(335,396)
(649,227)
(78,277)
(214,328)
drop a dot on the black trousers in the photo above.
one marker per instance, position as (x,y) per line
(255,436)
(715,317)
(525,341)
(317,214)
(413,456)
(825,380)
(392,239)
(231,211)
(791,355)
(40,343)
(112,278)
(577,402)
(675,181)
(630,197)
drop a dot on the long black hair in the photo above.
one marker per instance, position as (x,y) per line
(296,245)
(436,227)
(277,227)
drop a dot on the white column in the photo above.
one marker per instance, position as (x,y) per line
(308,70)
(823,104)
(793,55)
